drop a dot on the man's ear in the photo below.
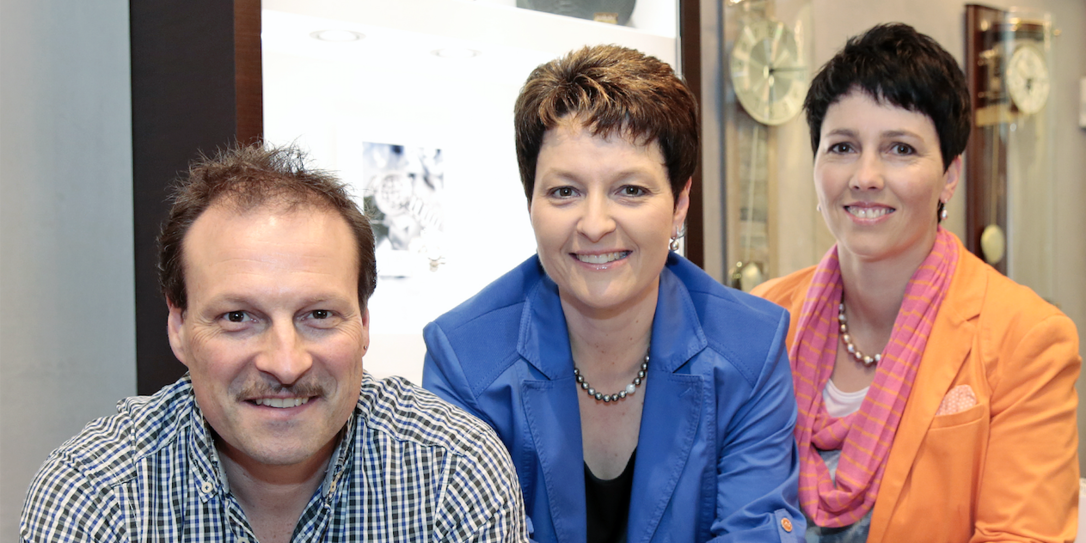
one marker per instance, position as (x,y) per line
(365,330)
(175,328)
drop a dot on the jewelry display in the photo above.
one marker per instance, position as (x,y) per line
(620,395)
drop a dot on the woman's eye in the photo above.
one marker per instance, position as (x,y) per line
(839,148)
(563,192)
(631,190)
(902,149)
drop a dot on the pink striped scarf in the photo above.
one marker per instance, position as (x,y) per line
(865,436)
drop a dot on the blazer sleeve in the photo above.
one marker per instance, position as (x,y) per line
(758,464)
(1030,479)
(443,374)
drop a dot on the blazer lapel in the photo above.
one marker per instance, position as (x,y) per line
(555,421)
(669,424)
(947,349)
(552,411)
(672,411)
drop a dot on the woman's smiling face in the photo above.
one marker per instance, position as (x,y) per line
(879,177)
(603,214)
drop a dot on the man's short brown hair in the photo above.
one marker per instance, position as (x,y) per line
(247,178)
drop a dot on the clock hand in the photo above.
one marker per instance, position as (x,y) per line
(788,69)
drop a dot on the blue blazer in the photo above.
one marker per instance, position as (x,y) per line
(716,457)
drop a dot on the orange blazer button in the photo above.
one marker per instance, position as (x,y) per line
(786,524)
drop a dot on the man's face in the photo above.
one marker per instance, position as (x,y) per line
(273,335)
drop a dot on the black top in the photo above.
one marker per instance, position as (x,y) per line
(608,504)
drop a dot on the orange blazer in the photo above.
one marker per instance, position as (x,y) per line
(1005,469)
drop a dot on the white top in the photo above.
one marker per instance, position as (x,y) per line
(840,404)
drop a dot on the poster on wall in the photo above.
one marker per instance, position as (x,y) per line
(402,193)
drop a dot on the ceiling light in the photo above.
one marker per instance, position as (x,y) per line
(337,35)
(455,52)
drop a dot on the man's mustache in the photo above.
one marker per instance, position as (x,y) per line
(263,389)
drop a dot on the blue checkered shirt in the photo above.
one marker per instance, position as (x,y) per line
(408,468)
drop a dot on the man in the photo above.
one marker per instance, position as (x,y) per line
(275,434)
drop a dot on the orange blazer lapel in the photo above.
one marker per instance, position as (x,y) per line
(951,340)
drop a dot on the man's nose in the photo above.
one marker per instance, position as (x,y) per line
(284,356)
(596,220)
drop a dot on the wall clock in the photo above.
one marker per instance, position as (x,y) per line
(1027,78)
(768,74)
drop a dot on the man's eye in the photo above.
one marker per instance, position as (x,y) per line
(321,314)
(236,316)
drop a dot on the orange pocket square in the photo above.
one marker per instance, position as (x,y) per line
(957,400)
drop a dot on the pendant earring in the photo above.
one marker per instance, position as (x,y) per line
(674,244)
(942,211)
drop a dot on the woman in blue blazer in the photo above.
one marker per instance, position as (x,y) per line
(639,399)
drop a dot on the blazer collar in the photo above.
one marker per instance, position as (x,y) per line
(947,349)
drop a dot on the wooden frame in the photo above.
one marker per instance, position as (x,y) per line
(196,87)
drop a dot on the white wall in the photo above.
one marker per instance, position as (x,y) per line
(67,326)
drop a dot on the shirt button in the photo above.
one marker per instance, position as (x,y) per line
(206,487)
(786,524)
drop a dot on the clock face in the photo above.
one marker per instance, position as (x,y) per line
(1027,79)
(768,74)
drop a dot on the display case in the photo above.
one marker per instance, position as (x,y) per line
(411,103)
(1009,160)
(772,227)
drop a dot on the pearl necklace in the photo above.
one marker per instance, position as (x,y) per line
(847,340)
(620,395)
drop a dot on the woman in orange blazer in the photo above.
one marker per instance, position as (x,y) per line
(936,397)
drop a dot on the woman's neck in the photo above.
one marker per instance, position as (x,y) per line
(873,291)
(609,344)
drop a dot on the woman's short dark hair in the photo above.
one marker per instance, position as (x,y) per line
(246,178)
(612,89)
(894,62)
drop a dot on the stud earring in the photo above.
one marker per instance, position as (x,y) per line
(818,208)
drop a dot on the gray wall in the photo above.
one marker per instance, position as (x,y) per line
(67,325)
